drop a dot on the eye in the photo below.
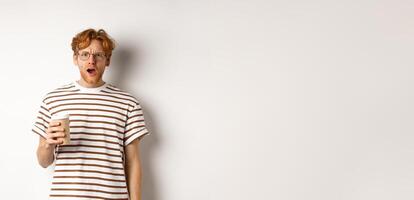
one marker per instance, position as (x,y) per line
(100,54)
(84,54)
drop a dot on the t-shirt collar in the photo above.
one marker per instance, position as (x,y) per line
(86,89)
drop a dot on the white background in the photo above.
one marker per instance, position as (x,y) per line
(292,100)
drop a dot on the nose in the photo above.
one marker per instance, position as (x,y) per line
(91,59)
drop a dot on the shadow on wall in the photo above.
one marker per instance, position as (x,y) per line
(125,66)
(122,64)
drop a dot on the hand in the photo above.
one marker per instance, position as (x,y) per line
(55,134)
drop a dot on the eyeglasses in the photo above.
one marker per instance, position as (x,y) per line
(99,56)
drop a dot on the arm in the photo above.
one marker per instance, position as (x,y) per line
(45,150)
(45,155)
(133,170)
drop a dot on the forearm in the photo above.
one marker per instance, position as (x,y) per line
(45,153)
(134,173)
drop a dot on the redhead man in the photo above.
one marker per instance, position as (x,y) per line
(106,125)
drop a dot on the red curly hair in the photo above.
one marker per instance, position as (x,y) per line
(84,39)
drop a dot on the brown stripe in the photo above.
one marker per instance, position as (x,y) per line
(117,92)
(98,99)
(126,132)
(41,125)
(44,131)
(44,121)
(98,128)
(104,116)
(136,115)
(126,138)
(96,94)
(85,196)
(62,91)
(86,190)
(90,165)
(94,121)
(80,183)
(47,117)
(136,121)
(92,146)
(86,109)
(106,160)
(92,104)
(91,177)
(44,108)
(88,152)
(38,134)
(68,86)
(90,171)
(96,134)
(86,143)
(136,110)
(113,88)
(95,140)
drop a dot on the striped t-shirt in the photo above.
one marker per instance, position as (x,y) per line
(103,121)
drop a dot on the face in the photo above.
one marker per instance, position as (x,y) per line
(92,63)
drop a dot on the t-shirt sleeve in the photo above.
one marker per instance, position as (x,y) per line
(41,121)
(135,125)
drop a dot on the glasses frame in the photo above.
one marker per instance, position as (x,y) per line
(95,55)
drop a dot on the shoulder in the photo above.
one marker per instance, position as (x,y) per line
(61,89)
(120,93)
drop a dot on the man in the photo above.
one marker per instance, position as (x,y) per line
(106,124)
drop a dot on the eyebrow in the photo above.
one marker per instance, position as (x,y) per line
(90,52)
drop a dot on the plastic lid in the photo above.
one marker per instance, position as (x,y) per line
(60,116)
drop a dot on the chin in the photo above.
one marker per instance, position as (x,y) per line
(91,80)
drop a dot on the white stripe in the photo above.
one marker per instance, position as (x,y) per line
(92,162)
(100,194)
(86,155)
(90,187)
(90,174)
(110,97)
(91,149)
(86,180)
(94,168)
(98,143)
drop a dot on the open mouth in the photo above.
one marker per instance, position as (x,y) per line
(91,71)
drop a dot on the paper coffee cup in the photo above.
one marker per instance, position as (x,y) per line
(64,122)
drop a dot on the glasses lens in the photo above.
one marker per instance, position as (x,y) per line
(100,56)
(84,55)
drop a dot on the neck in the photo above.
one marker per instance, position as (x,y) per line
(90,85)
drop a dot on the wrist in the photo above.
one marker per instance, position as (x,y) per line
(48,147)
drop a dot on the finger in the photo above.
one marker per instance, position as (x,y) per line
(53,128)
(58,135)
(52,141)
(54,124)
(50,136)
(54,135)
(49,131)
(60,140)
(57,129)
